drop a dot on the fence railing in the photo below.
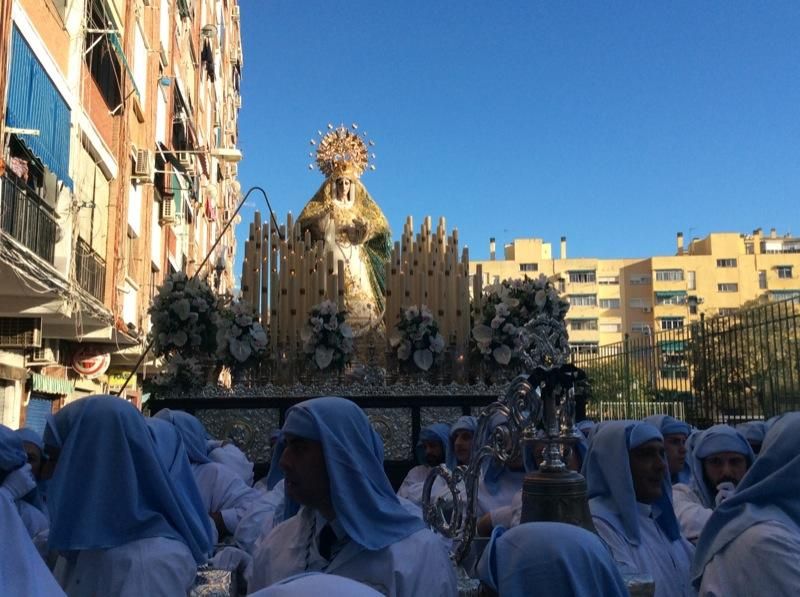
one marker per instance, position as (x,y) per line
(27,218)
(730,368)
(90,270)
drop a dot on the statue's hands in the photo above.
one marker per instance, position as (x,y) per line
(358,231)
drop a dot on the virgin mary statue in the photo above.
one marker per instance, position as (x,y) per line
(343,215)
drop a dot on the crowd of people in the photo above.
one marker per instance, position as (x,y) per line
(110,502)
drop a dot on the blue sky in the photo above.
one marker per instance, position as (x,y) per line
(615,124)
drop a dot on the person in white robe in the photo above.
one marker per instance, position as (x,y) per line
(316,583)
(228,454)
(432,450)
(120,522)
(22,570)
(720,459)
(462,434)
(19,484)
(225,495)
(350,522)
(499,482)
(629,492)
(751,543)
(549,558)
(675,433)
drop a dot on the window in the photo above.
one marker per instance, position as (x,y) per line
(582,277)
(669,275)
(639,279)
(561,285)
(609,303)
(677,297)
(784,271)
(610,328)
(582,300)
(728,287)
(101,57)
(608,280)
(582,324)
(638,303)
(727,311)
(729,262)
(640,327)
(671,323)
(529,267)
(674,373)
(782,295)
(584,348)
(691,280)
(762,279)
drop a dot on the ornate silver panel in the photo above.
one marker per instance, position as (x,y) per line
(394,427)
(248,428)
(438,414)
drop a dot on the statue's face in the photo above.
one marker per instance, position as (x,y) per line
(341,187)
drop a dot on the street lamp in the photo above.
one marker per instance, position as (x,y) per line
(203,263)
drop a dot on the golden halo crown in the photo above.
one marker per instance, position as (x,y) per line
(341,151)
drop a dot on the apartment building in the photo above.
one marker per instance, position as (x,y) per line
(613,297)
(119,130)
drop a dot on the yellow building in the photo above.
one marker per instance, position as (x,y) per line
(640,297)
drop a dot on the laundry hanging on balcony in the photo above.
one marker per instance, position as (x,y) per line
(35,103)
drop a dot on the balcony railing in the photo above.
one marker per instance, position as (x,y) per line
(90,270)
(27,218)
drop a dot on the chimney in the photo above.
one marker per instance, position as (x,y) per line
(773,233)
(680,243)
(491,249)
(563,247)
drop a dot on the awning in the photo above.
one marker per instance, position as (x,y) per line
(668,294)
(35,103)
(115,43)
(672,346)
(51,385)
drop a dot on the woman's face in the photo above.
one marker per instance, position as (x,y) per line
(341,187)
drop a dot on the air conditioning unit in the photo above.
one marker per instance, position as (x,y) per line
(647,309)
(235,15)
(20,332)
(185,159)
(48,354)
(167,211)
(143,165)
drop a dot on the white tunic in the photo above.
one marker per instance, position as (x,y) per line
(667,562)
(411,489)
(414,566)
(223,491)
(509,484)
(761,561)
(262,516)
(508,516)
(692,515)
(155,567)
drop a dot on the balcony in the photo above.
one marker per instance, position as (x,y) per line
(27,218)
(90,270)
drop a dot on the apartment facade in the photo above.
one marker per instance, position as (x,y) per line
(119,124)
(610,298)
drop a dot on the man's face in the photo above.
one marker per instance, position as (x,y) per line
(305,473)
(342,188)
(434,454)
(675,446)
(724,466)
(34,458)
(462,445)
(647,470)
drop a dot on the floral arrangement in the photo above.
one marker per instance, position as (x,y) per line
(416,337)
(241,339)
(183,317)
(327,337)
(182,372)
(505,331)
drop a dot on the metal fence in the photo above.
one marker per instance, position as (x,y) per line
(90,270)
(27,218)
(726,369)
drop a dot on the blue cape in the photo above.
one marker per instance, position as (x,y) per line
(12,454)
(768,491)
(607,470)
(362,496)
(30,436)
(438,432)
(716,439)
(464,423)
(753,431)
(192,432)
(110,486)
(549,558)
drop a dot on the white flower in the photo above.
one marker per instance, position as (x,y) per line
(427,316)
(502,354)
(182,308)
(243,320)
(437,343)
(497,322)
(306,333)
(235,331)
(412,312)
(502,310)
(316,323)
(509,328)
(423,359)
(485,347)
(240,350)
(346,330)
(328,308)
(482,333)
(323,356)
(259,334)
(395,338)
(540,298)
(178,338)
(404,351)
